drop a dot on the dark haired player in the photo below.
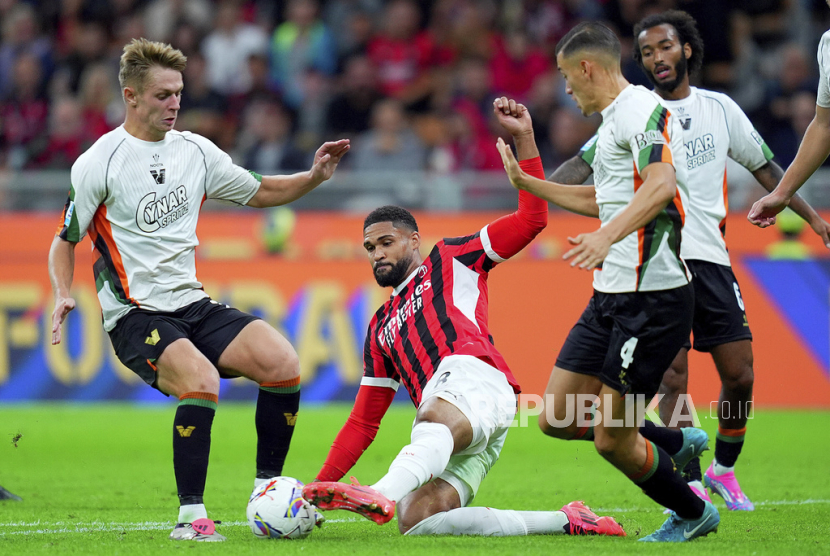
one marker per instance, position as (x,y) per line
(432,336)
(641,311)
(714,129)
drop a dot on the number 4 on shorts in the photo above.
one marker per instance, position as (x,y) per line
(627,352)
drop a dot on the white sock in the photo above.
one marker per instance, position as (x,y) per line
(721,469)
(191,512)
(259,482)
(490,522)
(422,460)
(544,523)
(698,485)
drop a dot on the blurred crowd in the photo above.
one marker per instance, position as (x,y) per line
(410,82)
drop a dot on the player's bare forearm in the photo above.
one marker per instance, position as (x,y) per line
(658,189)
(574,171)
(281,190)
(769,176)
(813,151)
(526,146)
(61,266)
(578,199)
(61,270)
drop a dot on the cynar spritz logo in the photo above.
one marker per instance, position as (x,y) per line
(153,213)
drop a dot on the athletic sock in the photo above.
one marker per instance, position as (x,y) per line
(276,414)
(692,471)
(671,440)
(659,481)
(191,512)
(728,445)
(698,485)
(490,522)
(419,462)
(191,444)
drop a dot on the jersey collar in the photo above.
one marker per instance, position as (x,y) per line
(403,284)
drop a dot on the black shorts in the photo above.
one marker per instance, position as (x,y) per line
(140,336)
(628,340)
(719,308)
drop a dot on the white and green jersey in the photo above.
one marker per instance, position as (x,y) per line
(823,97)
(637,129)
(139,201)
(714,129)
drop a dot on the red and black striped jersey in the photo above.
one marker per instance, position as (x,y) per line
(439,310)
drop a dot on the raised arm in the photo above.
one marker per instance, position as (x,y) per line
(813,151)
(658,189)
(769,176)
(61,271)
(510,234)
(580,199)
(358,433)
(281,190)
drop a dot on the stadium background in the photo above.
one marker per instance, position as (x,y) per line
(411,84)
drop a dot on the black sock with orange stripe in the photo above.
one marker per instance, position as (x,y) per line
(662,484)
(276,414)
(191,444)
(671,440)
(728,445)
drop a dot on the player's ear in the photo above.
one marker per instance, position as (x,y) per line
(687,50)
(130,96)
(415,240)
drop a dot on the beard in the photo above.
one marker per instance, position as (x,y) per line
(394,275)
(680,71)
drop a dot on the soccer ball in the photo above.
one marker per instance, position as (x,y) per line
(277,510)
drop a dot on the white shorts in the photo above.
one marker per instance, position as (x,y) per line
(481,392)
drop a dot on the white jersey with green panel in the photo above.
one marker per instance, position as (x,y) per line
(139,201)
(823,97)
(637,129)
(714,129)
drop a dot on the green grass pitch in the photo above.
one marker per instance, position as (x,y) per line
(98,479)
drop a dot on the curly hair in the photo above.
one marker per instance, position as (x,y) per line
(687,32)
(399,217)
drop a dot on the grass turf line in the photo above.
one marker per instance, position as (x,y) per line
(98,479)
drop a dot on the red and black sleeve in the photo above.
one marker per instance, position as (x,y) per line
(512,233)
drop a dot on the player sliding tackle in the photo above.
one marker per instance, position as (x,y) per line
(433,337)
(641,312)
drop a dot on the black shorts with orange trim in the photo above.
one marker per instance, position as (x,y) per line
(628,340)
(141,336)
(720,317)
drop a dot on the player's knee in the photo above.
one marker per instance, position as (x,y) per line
(411,511)
(194,380)
(674,382)
(607,446)
(278,363)
(557,426)
(741,380)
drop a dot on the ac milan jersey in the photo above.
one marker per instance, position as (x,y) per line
(714,129)
(439,310)
(140,202)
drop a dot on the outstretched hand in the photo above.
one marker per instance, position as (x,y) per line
(511,165)
(327,158)
(512,116)
(63,306)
